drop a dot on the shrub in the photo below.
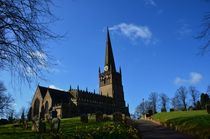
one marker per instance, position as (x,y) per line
(117,117)
(171,110)
(150,113)
(99,116)
(208,108)
(109,131)
(3,121)
(84,118)
(128,121)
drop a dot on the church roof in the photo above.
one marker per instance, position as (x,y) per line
(109,58)
(43,90)
(59,96)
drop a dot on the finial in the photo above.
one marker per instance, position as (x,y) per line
(99,70)
(70,88)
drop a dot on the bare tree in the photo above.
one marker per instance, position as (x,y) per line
(194,94)
(182,96)
(153,98)
(23,30)
(175,102)
(164,101)
(204,35)
(143,108)
(5,101)
(208,90)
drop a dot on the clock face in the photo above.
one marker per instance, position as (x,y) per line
(106,68)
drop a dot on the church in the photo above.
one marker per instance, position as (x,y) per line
(74,102)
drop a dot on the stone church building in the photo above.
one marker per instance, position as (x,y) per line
(74,102)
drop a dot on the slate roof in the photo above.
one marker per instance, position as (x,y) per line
(43,90)
(59,96)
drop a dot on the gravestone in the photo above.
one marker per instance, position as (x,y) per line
(54,114)
(42,127)
(38,126)
(55,125)
(34,127)
(99,116)
(84,118)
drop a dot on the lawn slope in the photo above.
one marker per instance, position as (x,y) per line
(194,123)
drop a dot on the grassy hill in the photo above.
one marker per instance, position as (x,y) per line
(195,123)
(71,128)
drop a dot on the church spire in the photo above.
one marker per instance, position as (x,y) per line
(109,58)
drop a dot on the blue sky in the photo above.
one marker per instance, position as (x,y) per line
(153,42)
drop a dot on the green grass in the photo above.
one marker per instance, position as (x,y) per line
(73,128)
(195,123)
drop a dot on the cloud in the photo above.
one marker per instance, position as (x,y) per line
(184,30)
(133,32)
(38,54)
(194,78)
(150,2)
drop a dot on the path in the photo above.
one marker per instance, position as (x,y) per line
(150,130)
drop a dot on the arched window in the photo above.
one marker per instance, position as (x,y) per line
(46,107)
(36,107)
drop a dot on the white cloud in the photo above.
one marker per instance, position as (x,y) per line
(133,32)
(184,30)
(194,78)
(38,54)
(150,2)
(41,57)
(29,71)
(179,81)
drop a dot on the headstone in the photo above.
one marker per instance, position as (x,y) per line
(38,126)
(84,118)
(42,127)
(55,125)
(25,124)
(34,127)
(99,116)
(54,114)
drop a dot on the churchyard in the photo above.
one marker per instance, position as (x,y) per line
(86,126)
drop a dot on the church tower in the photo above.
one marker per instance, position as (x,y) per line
(110,81)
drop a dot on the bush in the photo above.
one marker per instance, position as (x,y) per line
(150,113)
(117,117)
(208,108)
(109,131)
(99,116)
(3,121)
(171,110)
(84,118)
(128,121)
